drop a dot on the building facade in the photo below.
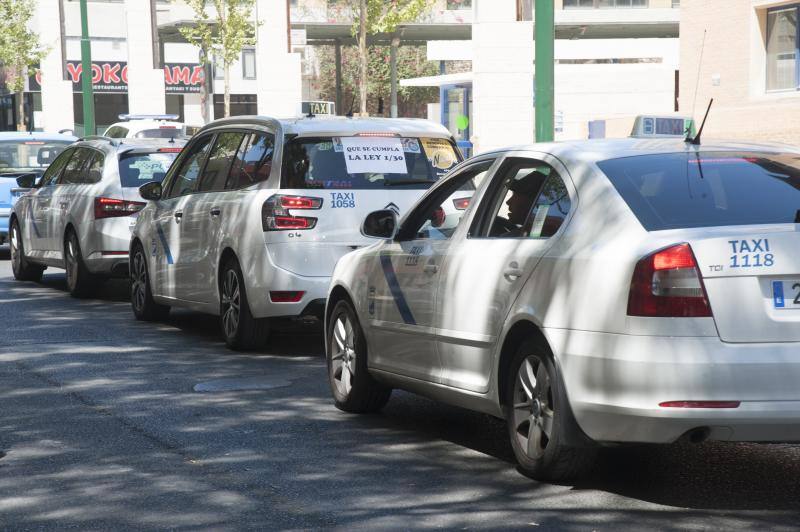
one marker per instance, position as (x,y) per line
(745,55)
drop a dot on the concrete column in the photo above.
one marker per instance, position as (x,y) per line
(145,80)
(279,81)
(57,108)
(502,76)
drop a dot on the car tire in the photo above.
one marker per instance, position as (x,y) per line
(144,306)
(22,269)
(535,416)
(80,282)
(241,330)
(352,386)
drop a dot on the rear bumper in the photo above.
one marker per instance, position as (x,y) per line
(615,384)
(107,246)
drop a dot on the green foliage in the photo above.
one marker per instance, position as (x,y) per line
(384,16)
(411,63)
(20,49)
(224,37)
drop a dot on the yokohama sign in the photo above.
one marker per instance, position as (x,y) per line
(112,76)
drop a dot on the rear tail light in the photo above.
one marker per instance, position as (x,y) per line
(461,203)
(286,296)
(668,284)
(111,207)
(438,217)
(275,215)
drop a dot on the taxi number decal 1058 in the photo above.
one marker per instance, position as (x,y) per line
(343,200)
(751,253)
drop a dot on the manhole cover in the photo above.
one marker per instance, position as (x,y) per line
(264,382)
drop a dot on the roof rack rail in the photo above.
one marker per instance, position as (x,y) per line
(126,117)
(113,142)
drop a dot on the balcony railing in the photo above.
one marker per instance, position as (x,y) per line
(336,12)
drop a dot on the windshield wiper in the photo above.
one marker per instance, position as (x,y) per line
(400,182)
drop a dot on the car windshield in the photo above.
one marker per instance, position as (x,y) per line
(367,162)
(708,189)
(29,154)
(136,169)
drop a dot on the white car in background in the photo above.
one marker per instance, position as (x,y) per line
(620,291)
(254,214)
(78,216)
(147,126)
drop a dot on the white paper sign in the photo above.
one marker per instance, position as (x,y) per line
(374,155)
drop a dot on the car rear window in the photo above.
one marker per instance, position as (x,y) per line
(160,133)
(708,189)
(368,162)
(136,169)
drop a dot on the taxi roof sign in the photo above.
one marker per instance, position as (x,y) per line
(652,126)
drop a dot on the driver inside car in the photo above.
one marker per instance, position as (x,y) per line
(522,193)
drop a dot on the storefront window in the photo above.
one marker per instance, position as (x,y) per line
(782,44)
(241,104)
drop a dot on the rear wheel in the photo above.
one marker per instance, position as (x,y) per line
(23,270)
(353,388)
(80,282)
(241,330)
(144,306)
(534,416)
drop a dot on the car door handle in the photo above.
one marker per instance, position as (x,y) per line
(178,215)
(215,211)
(512,272)
(431,268)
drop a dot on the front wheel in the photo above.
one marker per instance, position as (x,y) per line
(353,388)
(242,331)
(22,269)
(144,306)
(534,416)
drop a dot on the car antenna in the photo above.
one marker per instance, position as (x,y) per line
(696,140)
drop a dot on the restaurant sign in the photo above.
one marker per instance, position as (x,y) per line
(112,76)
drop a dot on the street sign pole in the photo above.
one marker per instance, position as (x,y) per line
(544,21)
(87,74)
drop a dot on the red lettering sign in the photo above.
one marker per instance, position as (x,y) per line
(74,70)
(110,73)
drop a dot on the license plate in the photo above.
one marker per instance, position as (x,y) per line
(786,294)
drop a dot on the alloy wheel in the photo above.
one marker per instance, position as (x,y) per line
(71,261)
(16,256)
(231,303)
(343,354)
(139,281)
(534,409)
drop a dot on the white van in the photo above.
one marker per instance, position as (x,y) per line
(253,215)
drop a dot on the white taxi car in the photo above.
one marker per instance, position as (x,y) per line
(253,216)
(146,127)
(78,216)
(594,292)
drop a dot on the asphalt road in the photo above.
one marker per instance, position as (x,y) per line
(101,427)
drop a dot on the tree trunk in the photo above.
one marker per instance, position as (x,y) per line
(227,69)
(21,102)
(362,57)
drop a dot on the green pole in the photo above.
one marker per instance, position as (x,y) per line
(544,21)
(86,76)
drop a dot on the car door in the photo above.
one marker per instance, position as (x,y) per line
(37,228)
(403,278)
(526,203)
(66,192)
(202,216)
(171,276)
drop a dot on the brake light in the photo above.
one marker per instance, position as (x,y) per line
(111,207)
(286,296)
(461,203)
(169,150)
(376,134)
(275,215)
(668,284)
(700,404)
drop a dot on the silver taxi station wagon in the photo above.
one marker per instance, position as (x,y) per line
(637,291)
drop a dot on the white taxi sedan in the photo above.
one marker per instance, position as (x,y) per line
(593,292)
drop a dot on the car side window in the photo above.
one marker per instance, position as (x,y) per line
(441,212)
(94,168)
(184,180)
(253,163)
(53,171)
(215,173)
(520,200)
(73,172)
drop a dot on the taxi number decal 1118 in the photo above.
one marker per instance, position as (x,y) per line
(751,253)
(343,200)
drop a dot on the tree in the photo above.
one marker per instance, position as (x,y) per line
(378,16)
(20,49)
(223,38)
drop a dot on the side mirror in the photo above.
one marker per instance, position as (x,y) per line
(151,191)
(380,224)
(26,181)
